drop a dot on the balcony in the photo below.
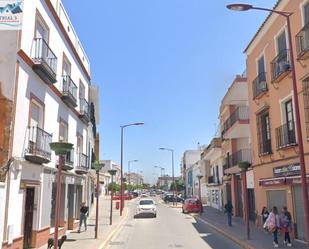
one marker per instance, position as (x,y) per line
(264,147)
(243,155)
(69,91)
(285,135)
(241,117)
(280,66)
(82,162)
(84,110)
(45,61)
(213,180)
(259,85)
(38,149)
(68,162)
(302,43)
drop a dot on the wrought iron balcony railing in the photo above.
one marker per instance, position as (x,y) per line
(280,66)
(285,135)
(84,109)
(259,85)
(302,42)
(45,61)
(38,149)
(69,90)
(241,113)
(82,164)
(243,155)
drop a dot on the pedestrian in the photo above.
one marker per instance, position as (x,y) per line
(83,216)
(264,214)
(286,225)
(273,224)
(229,211)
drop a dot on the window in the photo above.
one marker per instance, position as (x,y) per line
(63,131)
(264,134)
(79,147)
(306,13)
(36,114)
(41,28)
(306,103)
(81,90)
(281,42)
(261,65)
(289,115)
(66,66)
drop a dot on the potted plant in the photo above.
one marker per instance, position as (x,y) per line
(244,165)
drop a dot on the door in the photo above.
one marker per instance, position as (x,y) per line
(299,212)
(28,223)
(306,21)
(261,74)
(289,122)
(251,200)
(276,198)
(239,210)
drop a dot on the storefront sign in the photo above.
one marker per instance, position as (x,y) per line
(271,182)
(11,14)
(288,170)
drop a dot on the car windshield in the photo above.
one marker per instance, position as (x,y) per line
(146,202)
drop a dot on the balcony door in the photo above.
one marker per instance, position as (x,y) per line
(36,114)
(281,42)
(41,31)
(289,121)
(306,22)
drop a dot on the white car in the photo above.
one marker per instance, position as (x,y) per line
(146,207)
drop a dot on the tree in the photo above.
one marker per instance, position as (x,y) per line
(114,186)
(180,186)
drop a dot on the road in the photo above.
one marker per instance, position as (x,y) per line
(171,229)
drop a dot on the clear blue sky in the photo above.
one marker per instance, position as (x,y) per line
(167,63)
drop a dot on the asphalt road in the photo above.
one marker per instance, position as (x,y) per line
(171,229)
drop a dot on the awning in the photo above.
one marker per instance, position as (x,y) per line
(232,170)
(285,180)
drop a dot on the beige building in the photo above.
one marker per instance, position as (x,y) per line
(275,151)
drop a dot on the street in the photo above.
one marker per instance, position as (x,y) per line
(171,229)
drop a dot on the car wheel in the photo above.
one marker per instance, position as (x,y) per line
(155,216)
(183,211)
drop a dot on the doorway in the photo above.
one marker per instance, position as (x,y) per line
(28,223)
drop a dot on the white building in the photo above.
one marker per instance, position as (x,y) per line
(49,85)
(213,173)
(109,165)
(190,170)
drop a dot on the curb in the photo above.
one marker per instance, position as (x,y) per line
(113,232)
(240,242)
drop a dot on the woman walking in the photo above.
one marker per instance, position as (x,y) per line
(273,224)
(83,216)
(264,214)
(286,225)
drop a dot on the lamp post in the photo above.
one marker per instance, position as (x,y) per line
(244,7)
(121,163)
(60,148)
(112,172)
(97,166)
(129,172)
(161,168)
(199,177)
(173,176)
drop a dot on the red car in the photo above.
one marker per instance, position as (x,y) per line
(192,205)
(124,197)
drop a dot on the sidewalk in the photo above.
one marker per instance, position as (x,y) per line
(259,239)
(85,239)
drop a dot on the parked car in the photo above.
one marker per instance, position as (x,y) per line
(192,205)
(146,207)
(172,198)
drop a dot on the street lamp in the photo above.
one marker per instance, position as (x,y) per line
(244,7)
(161,168)
(112,172)
(60,148)
(121,164)
(129,173)
(97,166)
(174,188)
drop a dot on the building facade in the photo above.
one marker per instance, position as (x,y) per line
(236,142)
(46,85)
(275,151)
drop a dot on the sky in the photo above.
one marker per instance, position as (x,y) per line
(166,63)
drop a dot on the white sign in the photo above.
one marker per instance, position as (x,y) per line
(250,179)
(11,14)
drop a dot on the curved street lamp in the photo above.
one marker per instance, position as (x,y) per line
(121,163)
(245,7)
(173,176)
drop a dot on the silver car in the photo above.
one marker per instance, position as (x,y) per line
(146,207)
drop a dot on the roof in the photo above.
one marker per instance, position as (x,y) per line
(261,27)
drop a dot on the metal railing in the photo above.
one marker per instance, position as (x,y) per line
(69,158)
(285,135)
(68,87)
(43,54)
(280,64)
(38,142)
(243,155)
(84,107)
(241,113)
(82,161)
(259,84)
(264,146)
(213,180)
(302,41)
